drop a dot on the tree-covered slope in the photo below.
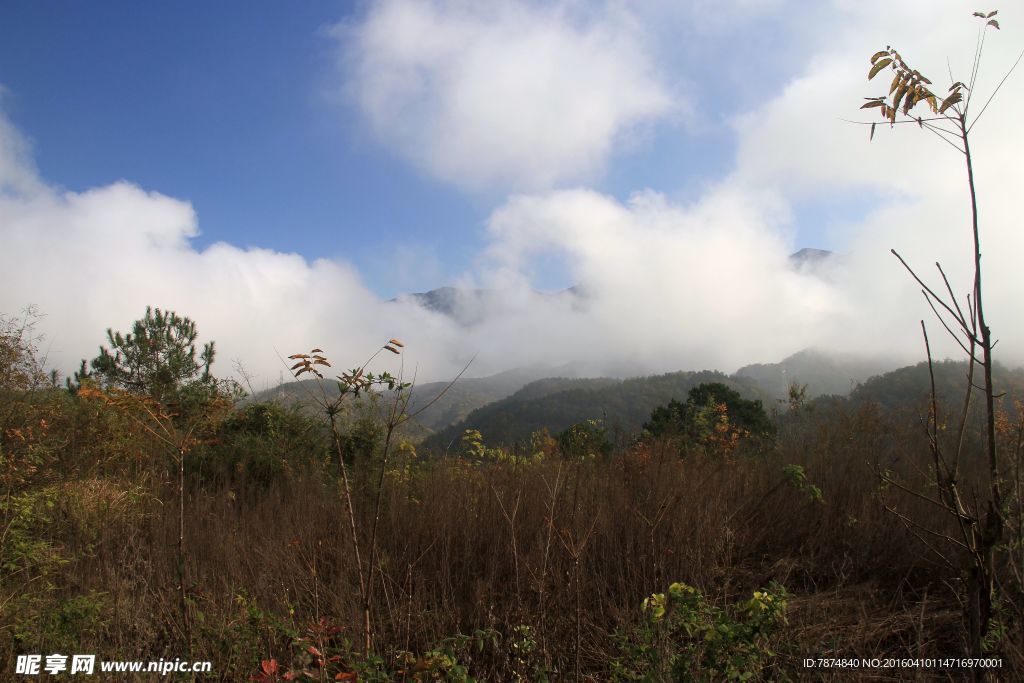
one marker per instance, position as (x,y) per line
(556,404)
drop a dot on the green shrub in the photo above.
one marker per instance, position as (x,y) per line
(683,637)
(587,439)
(713,416)
(260,444)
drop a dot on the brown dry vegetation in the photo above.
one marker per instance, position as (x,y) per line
(513,568)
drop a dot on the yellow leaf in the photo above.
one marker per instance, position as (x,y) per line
(878,55)
(913,97)
(899,96)
(950,101)
(895,83)
(878,67)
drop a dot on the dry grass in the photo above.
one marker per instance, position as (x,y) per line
(469,546)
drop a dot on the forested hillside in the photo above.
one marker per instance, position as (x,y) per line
(555,404)
(508,407)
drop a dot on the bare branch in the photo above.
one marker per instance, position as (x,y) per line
(912,525)
(935,129)
(445,390)
(952,297)
(941,320)
(994,92)
(923,285)
(906,489)
(978,48)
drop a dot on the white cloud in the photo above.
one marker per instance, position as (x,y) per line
(913,182)
(501,94)
(708,285)
(96,259)
(668,286)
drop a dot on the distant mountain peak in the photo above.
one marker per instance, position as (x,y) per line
(809,256)
(469,306)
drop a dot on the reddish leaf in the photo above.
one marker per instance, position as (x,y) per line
(267,673)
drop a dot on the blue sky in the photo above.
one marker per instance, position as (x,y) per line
(276,170)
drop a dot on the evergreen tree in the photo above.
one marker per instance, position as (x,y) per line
(695,419)
(157,359)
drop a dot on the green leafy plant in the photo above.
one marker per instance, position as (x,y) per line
(584,440)
(796,476)
(683,637)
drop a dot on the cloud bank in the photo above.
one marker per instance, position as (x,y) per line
(501,94)
(670,285)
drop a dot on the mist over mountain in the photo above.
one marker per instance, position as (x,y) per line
(448,401)
(469,306)
(821,372)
